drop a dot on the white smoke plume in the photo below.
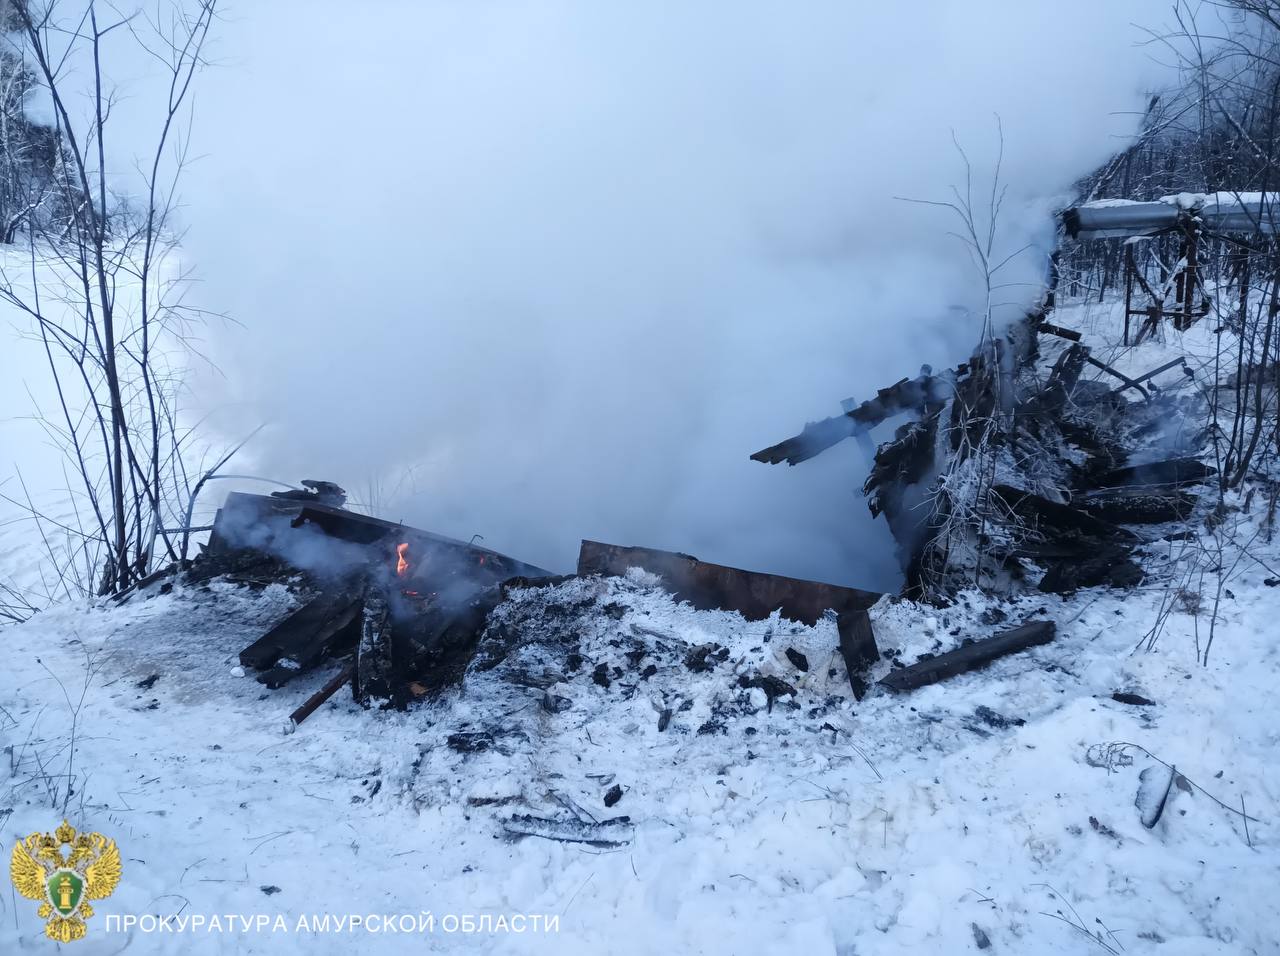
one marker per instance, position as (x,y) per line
(545,271)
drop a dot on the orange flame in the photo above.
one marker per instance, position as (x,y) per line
(402,565)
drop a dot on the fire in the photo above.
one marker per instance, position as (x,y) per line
(402,563)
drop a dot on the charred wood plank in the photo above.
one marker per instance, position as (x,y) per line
(1069,334)
(1128,382)
(303,638)
(1136,507)
(1186,370)
(1050,516)
(857,647)
(969,657)
(753,594)
(1103,564)
(260,520)
(922,392)
(1171,473)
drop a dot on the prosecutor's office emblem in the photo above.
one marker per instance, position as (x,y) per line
(64,871)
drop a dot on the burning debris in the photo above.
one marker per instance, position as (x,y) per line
(407,606)
(1012,468)
(403,613)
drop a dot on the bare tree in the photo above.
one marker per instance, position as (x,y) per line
(101,285)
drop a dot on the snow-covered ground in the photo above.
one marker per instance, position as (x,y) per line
(994,810)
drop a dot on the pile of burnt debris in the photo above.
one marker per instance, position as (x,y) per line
(401,613)
(1016,468)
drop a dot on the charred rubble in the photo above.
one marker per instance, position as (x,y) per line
(1016,468)
(1013,470)
(403,613)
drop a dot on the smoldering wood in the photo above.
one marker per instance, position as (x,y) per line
(411,604)
(243,512)
(1067,487)
(969,657)
(1128,382)
(753,594)
(438,643)
(1175,363)
(314,490)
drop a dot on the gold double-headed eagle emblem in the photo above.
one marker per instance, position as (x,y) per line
(64,882)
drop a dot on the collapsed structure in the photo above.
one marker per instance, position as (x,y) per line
(1015,465)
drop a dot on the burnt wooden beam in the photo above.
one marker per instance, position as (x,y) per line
(312,703)
(1051,516)
(270,518)
(1128,382)
(753,594)
(305,637)
(969,657)
(921,392)
(375,671)
(1170,473)
(1069,334)
(1138,507)
(857,647)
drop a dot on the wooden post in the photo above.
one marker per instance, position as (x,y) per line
(1129,266)
(1188,284)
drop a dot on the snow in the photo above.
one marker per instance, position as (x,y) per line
(998,805)
(1191,201)
(886,826)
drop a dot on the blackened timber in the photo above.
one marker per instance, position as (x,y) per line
(920,392)
(970,657)
(1128,382)
(1103,563)
(1171,473)
(1069,334)
(857,647)
(242,514)
(753,594)
(303,638)
(374,678)
(1139,507)
(1048,515)
(312,703)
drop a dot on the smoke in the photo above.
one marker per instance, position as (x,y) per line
(544,271)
